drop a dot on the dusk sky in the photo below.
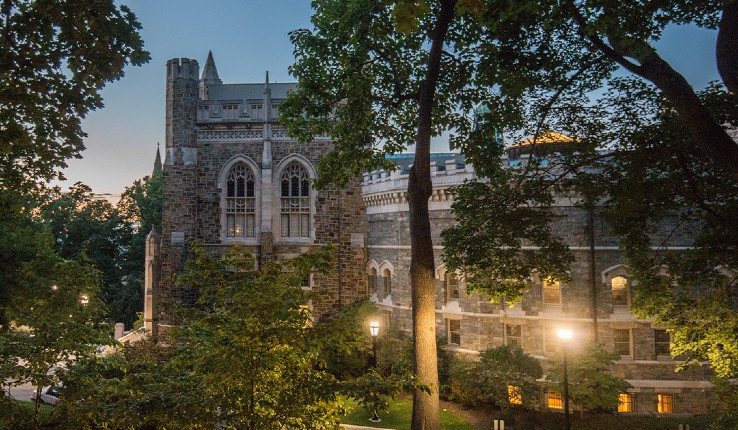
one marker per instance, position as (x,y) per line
(247,38)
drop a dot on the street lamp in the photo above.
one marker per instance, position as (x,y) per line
(374,330)
(565,334)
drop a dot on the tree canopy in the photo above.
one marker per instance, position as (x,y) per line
(55,57)
(646,151)
(378,77)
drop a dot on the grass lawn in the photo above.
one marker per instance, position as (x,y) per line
(44,413)
(399,416)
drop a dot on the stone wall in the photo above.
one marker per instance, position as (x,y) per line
(482,323)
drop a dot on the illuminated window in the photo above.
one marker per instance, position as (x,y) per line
(454,332)
(295,201)
(551,292)
(619,285)
(514,395)
(514,335)
(625,403)
(666,403)
(372,280)
(452,286)
(240,202)
(387,282)
(663,343)
(622,342)
(554,400)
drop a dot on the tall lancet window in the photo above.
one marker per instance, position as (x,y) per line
(295,201)
(240,202)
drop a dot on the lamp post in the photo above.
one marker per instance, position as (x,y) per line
(374,330)
(565,335)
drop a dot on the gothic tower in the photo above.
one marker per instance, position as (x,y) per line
(232,175)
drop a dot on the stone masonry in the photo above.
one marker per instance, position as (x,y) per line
(211,127)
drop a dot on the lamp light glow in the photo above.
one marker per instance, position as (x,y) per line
(374,328)
(564,333)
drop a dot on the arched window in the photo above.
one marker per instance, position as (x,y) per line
(372,280)
(387,282)
(619,286)
(295,201)
(551,292)
(240,202)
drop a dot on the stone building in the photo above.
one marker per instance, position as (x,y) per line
(471,323)
(233,176)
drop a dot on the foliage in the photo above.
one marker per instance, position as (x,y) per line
(372,391)
(55,319)
(54,60)
(84,225)
(346,342)
(504,366)
(648,153)
(725,403)
(592,385)
(377,77)
(513,217)
(137,386)
(394,352)
(360,77)
(463,381)
(486,380)
(244,356)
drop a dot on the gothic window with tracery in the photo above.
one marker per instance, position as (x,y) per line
(240,202)
(295,201)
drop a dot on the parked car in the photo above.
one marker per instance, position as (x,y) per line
(49,396)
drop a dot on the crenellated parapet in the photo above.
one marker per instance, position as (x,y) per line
(183,68)
(386,191)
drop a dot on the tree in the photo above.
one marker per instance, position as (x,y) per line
(54,60)
(85,225)
(643,152)
(54,320)
(591,383)
(503,367)
(244,357)
(378,77)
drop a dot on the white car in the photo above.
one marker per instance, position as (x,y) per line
(49,396)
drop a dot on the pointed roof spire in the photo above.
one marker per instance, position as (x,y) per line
(267,99)
(157,161)
(210,72)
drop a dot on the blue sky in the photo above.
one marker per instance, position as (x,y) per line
(247,37)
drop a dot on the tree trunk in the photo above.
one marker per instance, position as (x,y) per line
(726,49)
(426,414)
(710,136)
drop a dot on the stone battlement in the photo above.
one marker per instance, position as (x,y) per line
(183,68)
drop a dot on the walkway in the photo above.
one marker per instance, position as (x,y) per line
(350,427)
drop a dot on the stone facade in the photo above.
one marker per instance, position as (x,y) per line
(471,323)
(213,128)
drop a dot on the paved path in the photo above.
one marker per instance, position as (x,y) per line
(21,392)
(350,427)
